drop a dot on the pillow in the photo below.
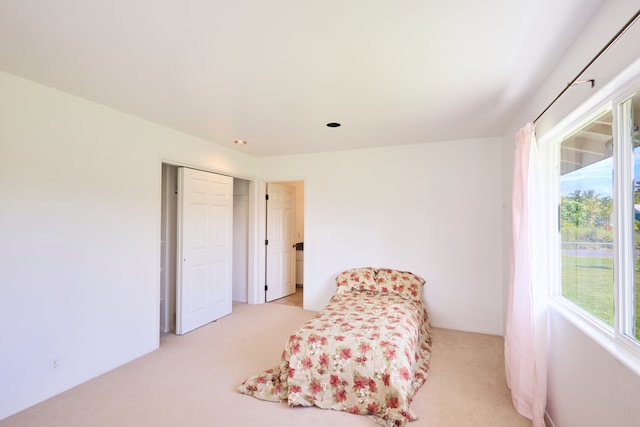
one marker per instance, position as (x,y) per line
(356,279)
(403,283)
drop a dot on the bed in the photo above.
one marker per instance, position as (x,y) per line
(367,352)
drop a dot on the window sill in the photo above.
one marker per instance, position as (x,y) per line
(623,349)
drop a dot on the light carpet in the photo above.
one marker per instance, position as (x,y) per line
(192,380)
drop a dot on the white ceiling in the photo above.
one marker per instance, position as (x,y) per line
(276,72)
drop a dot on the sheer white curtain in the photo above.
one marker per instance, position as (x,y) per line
(525,335)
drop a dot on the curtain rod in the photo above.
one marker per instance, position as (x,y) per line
(576,80)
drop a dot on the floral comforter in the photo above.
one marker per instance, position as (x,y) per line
(365,353)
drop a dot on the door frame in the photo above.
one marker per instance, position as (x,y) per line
(253,229)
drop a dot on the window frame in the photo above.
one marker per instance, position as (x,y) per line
(619,339)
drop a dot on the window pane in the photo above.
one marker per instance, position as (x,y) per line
(586,225)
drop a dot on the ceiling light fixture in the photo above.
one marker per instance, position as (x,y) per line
(240,142)
(333,125)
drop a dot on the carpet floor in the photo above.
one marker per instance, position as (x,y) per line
(192,380)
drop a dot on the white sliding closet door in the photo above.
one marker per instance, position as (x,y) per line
(205,229)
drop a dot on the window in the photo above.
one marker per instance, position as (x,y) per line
(586,223)
(599,216)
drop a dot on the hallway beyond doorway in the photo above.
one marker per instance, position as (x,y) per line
(294,299)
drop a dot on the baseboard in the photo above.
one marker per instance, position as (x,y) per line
(547,420)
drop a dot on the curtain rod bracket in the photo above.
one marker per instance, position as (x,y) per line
(577,82)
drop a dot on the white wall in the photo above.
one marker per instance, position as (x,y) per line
(79,236)
(587,386)
(433,209)
(80,186)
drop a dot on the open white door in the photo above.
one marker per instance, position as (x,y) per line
(281,202)
(205,228)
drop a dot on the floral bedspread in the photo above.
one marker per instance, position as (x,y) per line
(365,353)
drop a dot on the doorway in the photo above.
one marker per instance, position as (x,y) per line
(285,249)
(169,242)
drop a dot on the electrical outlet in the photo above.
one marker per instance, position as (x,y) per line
(53,364)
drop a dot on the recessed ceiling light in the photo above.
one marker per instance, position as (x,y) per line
(333,125)
(240,142)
